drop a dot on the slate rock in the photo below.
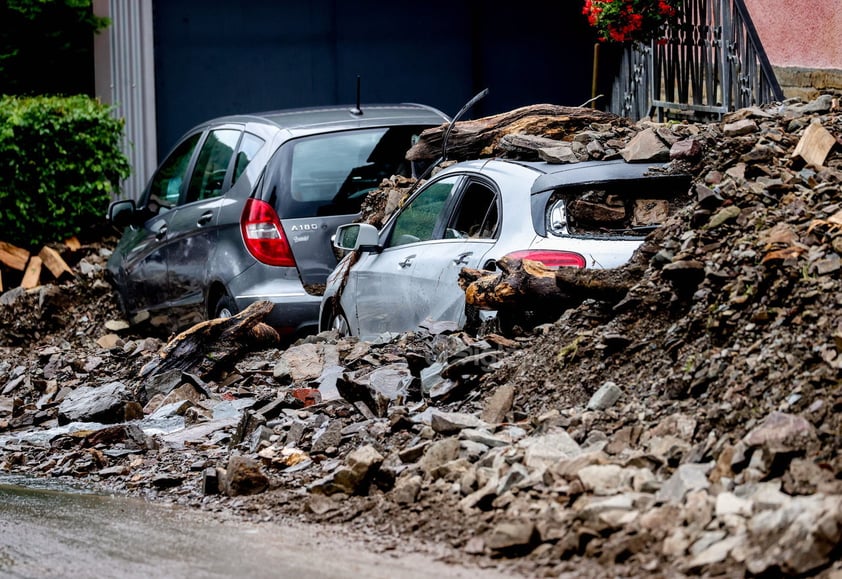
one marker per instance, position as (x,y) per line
(605,397)
(452,422)
(781,432)
(686,478)
(243,476)
(689,149)
(354,477)
(105,404)
(512,536)
(739,128)
(438,454)
(796,538)
(547,449)
(645,147)
(407,490)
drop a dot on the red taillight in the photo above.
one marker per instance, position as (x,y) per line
(263,235)
(550,258)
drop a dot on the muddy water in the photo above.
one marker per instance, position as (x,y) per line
(49,533)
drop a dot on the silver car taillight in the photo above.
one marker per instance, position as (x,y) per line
(264,236)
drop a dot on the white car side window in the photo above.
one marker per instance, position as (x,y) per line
(418,220)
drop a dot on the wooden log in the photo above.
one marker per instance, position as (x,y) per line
(607,285)
(211,347)
(32,275)
(12,256)
(51,258)
(526,285)
(517,282)
(480,137)
(522,143)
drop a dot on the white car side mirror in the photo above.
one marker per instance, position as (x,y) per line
(357,237)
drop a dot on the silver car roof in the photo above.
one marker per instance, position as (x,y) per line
(336,117)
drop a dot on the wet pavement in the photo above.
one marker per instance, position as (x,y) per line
(55,533)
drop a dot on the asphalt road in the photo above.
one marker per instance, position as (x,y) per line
(45,534)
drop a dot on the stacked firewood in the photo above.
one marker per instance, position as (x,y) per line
(21,268)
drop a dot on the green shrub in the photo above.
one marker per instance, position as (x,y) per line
(60,162)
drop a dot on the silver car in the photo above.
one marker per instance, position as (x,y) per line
(243,209)
(591,214)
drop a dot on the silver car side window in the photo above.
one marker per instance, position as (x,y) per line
(165,187)
(249,147)
(208,179)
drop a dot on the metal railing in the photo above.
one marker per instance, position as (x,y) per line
(709,63)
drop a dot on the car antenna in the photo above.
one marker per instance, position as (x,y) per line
(477,97)
(357,110)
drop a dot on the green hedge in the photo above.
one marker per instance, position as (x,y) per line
(60,163)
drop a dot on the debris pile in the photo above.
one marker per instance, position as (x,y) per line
(687,423)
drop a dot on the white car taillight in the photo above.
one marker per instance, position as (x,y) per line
(264,236)
(551,258)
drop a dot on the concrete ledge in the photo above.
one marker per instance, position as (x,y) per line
(808,83)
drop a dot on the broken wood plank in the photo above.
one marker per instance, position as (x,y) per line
(32,275)
(213,346)
(814,145)
(13,256)
(481,137)
(73,243)
(51,258)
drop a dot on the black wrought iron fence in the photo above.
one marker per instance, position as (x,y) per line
(709,63)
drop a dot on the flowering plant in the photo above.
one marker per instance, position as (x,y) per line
(630,20)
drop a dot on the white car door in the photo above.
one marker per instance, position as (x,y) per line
(391,293)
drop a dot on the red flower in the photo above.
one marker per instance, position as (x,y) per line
(629,20)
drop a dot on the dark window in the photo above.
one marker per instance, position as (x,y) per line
(417,221)
(330,174)
(476,216)
(209,174)
(165,188)
(249,147)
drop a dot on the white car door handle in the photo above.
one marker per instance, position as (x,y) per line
(463,258)
(407,262)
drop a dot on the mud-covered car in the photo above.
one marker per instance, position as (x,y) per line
(592,214)
(244,207)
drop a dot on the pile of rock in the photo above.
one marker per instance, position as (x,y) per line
(692,428)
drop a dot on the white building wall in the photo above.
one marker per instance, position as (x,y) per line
(125,78)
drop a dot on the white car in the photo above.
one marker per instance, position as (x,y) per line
(592,214)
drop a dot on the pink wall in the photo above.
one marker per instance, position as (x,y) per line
(802,33)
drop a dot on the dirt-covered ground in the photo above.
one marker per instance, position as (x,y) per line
(692,428)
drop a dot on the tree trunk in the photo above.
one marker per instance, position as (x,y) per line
(529,285)
(481,137)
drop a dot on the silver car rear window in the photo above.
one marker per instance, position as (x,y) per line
(331,174)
